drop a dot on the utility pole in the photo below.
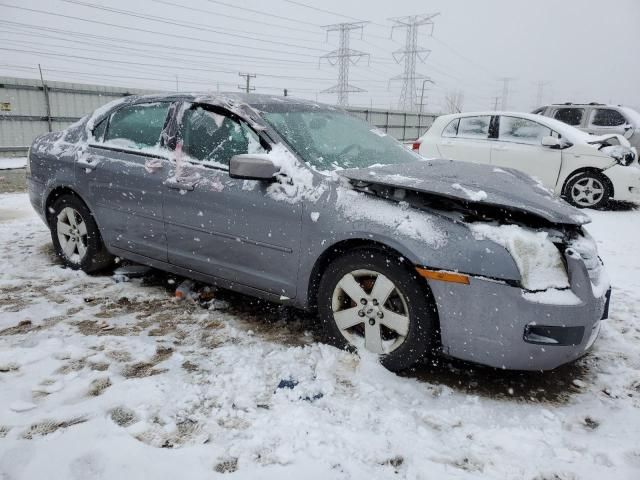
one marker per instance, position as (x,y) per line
(410,55)
(422,92)
(247,87)
(495,103)
(286,92)
(505,91)
(344,57)
(177,84)
(45,89)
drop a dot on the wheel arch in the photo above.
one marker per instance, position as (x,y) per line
(57,192)
(340,248)
(581,170)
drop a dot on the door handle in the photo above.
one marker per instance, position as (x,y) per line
(153,165)
(175,184)
(88,163)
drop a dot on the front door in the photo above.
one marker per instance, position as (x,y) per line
(123,170)
(519,146)
(225,227)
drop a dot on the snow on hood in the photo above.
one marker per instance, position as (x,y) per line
(473,183)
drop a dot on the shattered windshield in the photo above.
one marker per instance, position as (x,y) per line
(332,139)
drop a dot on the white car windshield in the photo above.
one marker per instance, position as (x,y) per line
(330,139)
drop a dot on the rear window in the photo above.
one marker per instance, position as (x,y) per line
(451,130)
(607,117)
(137,126)
(474,127)
(570,116)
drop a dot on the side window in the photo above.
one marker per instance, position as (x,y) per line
(137,126)
(521,130)
(570,116)
(213,138)
(99,130)
(451,130)
(474,127)
(607,117)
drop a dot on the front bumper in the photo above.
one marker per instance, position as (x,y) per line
(485,322)
(625,181)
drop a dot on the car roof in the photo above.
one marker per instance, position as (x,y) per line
(214,98)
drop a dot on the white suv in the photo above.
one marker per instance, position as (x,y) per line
(587,170)
(597,118)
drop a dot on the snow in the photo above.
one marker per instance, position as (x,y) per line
(539,261)
(476,196)
(296,180)
(12,163)
(192,392)
(400,217)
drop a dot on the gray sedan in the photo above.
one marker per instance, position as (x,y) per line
(306,205)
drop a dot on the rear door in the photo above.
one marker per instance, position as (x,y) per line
(574,116)
(519,145)
(123,171)
(608,120)
(467,139)
(225,227)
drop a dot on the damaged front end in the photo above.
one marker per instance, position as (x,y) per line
(547,317)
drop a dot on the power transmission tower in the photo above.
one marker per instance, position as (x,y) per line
(410,55)
(247,87)
(344,57)
(540,93)
(505,92)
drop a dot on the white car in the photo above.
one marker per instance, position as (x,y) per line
(587,170)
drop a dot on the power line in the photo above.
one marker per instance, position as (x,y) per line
(191,25)
(273,15)
(173,35)
(344,57)
(410,54)
(243,19)
(151,44)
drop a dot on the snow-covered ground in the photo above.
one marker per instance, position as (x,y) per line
(117,380)
(12,163)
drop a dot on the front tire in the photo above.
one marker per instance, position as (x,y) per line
(369,299)
(75,235)
(588,190)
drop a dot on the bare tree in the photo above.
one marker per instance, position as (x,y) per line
(453,100)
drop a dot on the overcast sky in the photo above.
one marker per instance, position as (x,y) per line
(581,50)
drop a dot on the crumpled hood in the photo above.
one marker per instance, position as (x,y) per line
(473,183)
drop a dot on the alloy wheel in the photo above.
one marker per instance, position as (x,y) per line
(72,234)
(370,311)
(587,191)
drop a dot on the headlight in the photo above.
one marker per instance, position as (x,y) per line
(539,261)
(621,154)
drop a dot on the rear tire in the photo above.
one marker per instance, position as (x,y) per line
(395,316)
(75,235)
(588,190)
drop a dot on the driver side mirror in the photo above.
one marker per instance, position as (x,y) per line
(252,167)
(551,142)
